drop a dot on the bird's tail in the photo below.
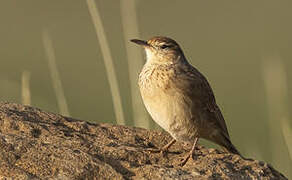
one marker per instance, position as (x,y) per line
(228,146)
(231,148)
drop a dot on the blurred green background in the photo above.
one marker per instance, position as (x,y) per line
(242,47)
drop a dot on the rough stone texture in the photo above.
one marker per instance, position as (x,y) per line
(39,145)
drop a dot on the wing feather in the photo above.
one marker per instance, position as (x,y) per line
(196,86)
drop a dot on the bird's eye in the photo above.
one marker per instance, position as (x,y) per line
(164,46)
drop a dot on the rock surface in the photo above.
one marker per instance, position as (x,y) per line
(39,145)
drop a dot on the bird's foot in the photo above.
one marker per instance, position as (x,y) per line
(190,154)
(164,149)
(185,160)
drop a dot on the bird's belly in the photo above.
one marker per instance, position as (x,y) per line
(173,113)
(159,113)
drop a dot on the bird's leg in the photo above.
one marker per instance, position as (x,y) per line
(190,154)
(164,148)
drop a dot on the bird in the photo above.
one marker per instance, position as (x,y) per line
(179,98)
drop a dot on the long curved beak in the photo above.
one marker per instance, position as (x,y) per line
(140,42)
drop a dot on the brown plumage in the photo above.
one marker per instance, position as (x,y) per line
(178,97)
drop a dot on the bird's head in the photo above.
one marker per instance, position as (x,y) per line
(161,49)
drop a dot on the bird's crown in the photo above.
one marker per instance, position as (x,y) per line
(161,49)
(162,42)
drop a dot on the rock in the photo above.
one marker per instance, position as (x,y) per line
(35,144)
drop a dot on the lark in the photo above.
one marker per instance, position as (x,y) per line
(179,98)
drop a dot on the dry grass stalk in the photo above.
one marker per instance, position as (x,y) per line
(110,70)
(25,88)
(135,63)
(57,83)
(275,80)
